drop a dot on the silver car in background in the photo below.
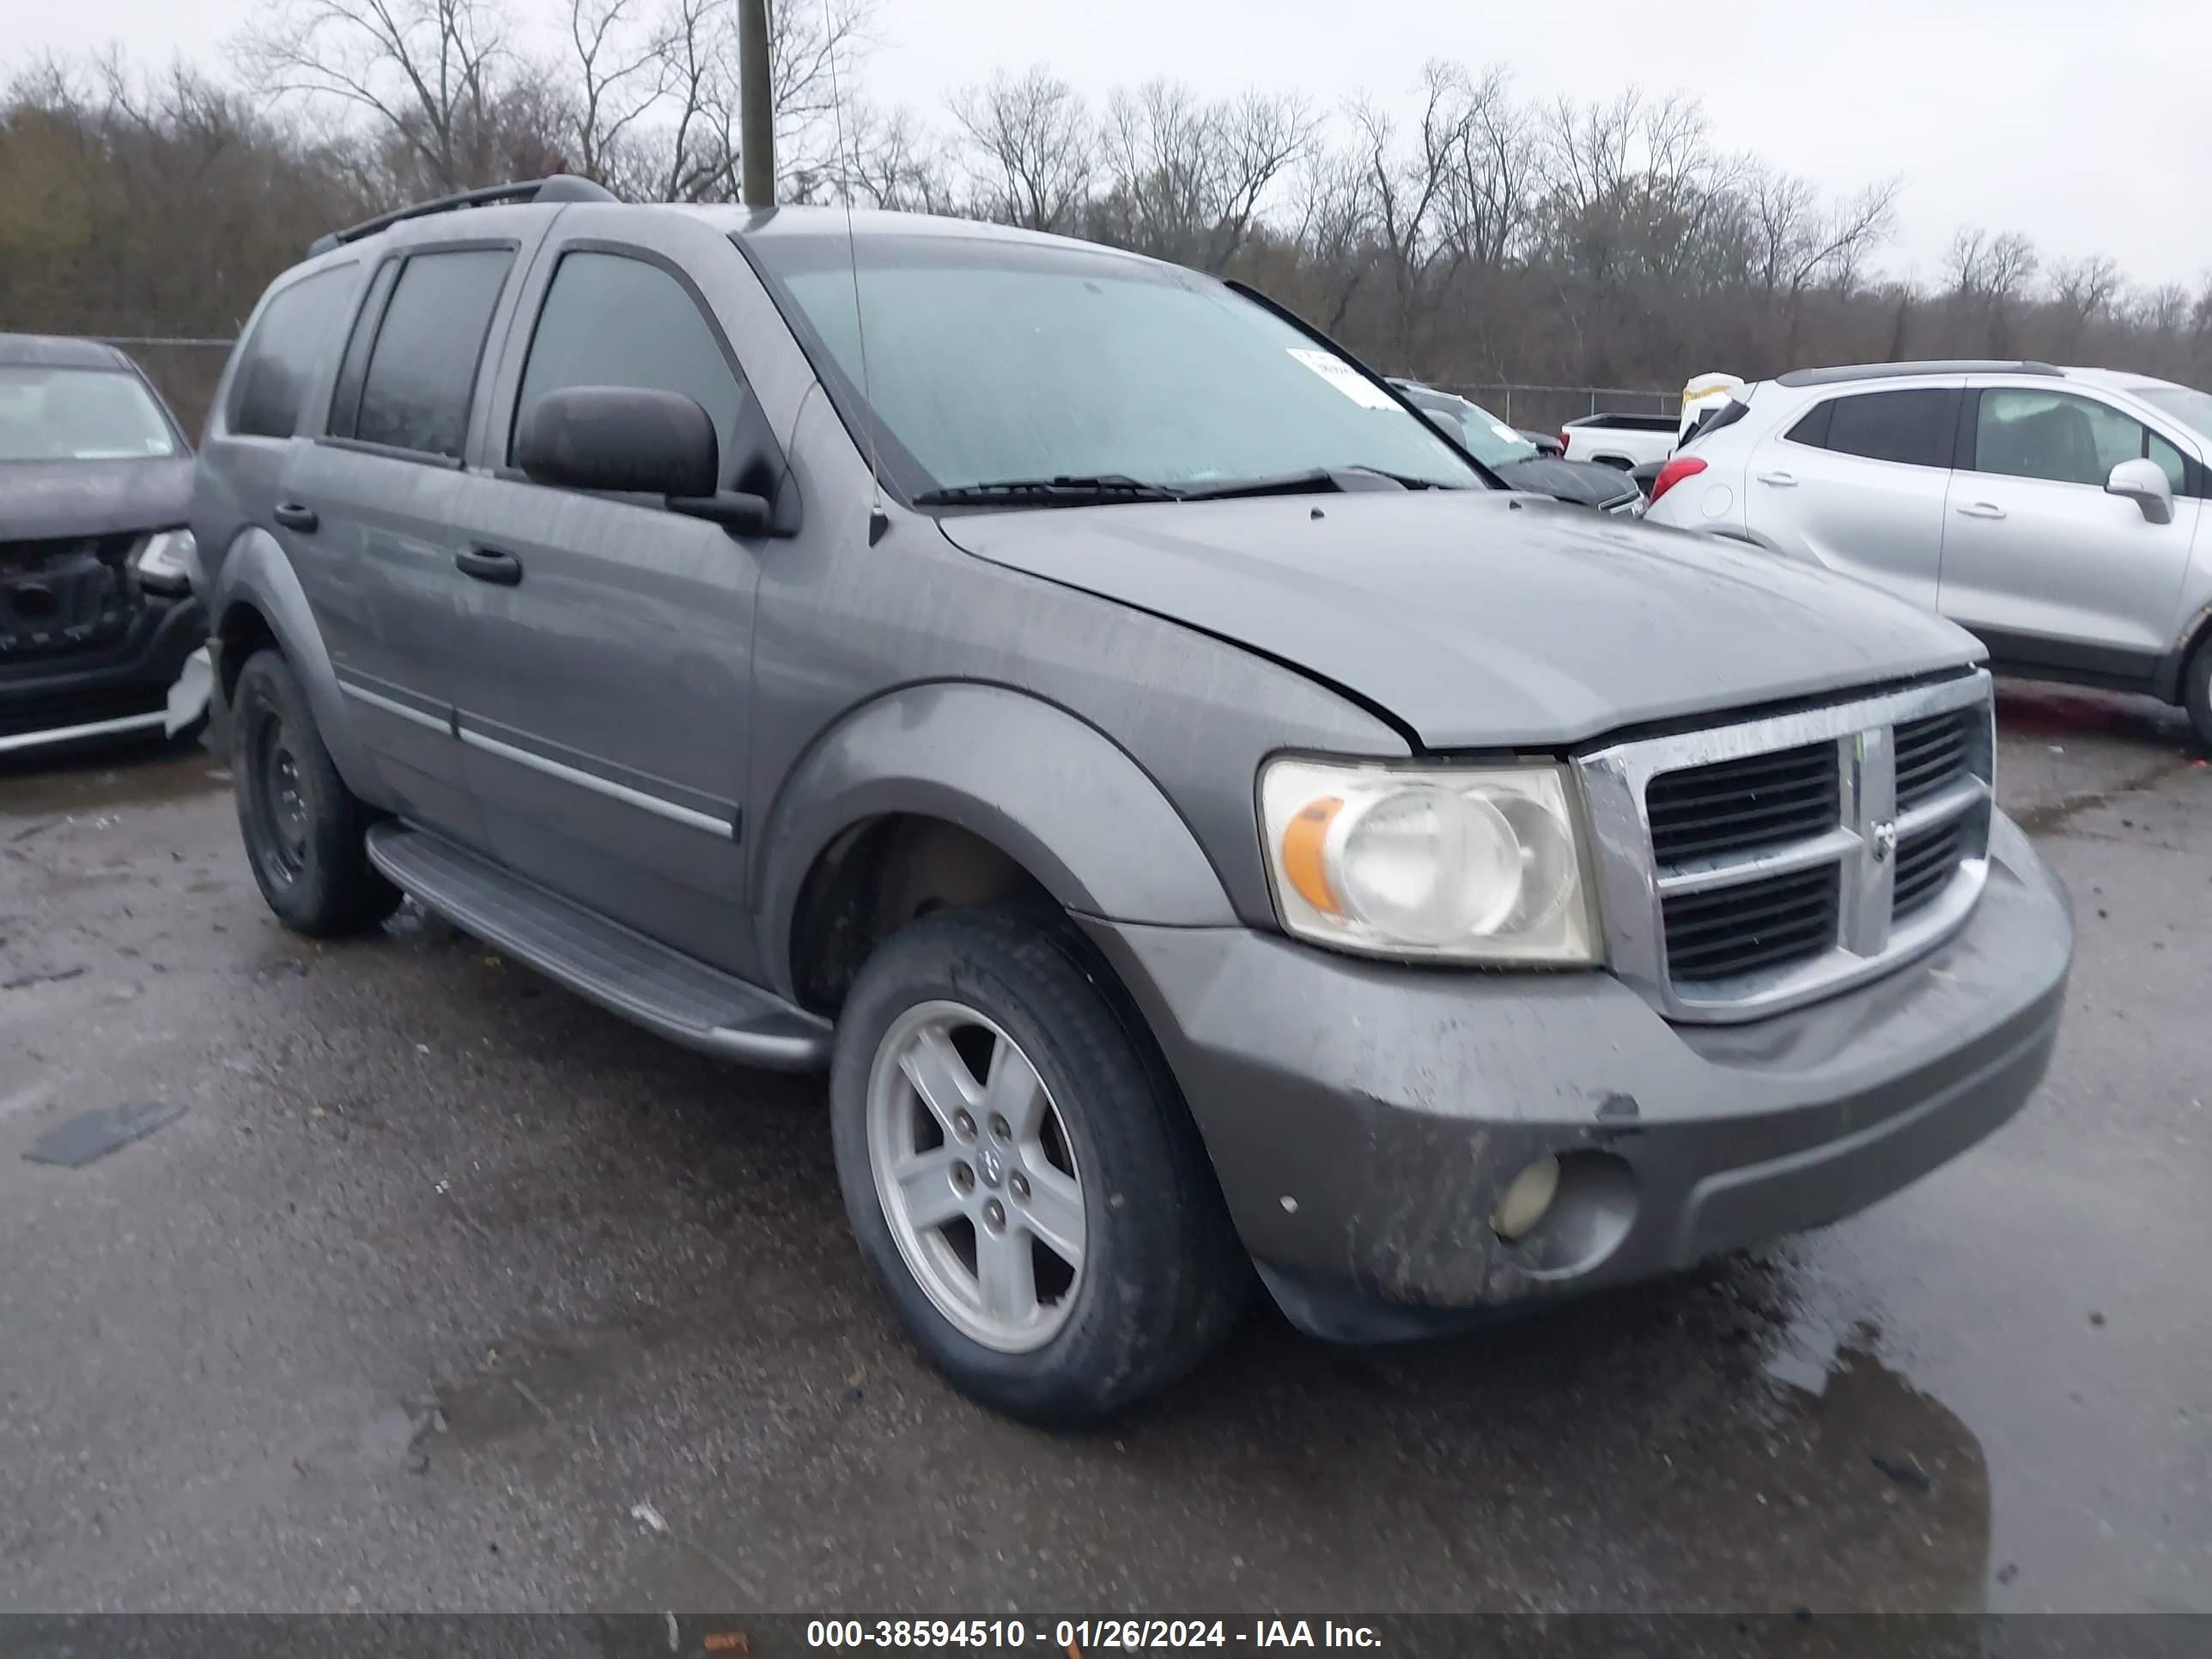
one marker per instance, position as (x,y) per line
(2058,513)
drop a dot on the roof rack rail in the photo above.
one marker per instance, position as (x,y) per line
(1893,371)
(560,187)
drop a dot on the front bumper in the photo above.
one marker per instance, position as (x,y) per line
(1364,1118)
(157,679)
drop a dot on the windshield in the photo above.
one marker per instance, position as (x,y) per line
(2184,403)
(1489,441)
(997,361)
(79,415)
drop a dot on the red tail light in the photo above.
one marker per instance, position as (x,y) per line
(1563,441)
(1681,467)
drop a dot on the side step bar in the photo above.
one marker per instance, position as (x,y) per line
(663,990)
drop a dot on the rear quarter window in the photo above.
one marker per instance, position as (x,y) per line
(297,329)
(1915,428)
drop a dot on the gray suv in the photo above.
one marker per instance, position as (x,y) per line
(1199,821)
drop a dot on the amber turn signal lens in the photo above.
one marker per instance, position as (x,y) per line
(1305,840)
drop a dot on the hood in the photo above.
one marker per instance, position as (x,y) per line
(44,501)
(1484,619)
(1583,482)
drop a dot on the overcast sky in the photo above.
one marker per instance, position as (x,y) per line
(2084,125)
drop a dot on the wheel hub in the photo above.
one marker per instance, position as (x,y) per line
(977,1173)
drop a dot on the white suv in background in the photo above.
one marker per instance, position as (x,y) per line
(2059,514)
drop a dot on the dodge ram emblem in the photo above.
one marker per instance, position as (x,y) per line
(1885,841)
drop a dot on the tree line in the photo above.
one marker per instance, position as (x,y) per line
(1465,233)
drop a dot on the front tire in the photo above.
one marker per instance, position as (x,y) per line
(1021,1172)
(305,832)
(2197,691)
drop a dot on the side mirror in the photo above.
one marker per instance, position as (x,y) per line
(2145,483)
(634,440)
(1448,423)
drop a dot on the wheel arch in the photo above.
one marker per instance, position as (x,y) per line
(258,602)
(961,791)
(2196,636)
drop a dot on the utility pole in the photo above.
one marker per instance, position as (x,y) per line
(755,106)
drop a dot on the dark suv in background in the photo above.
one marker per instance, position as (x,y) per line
(1200,822)
(100,635)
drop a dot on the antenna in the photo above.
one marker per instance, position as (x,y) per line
(878,521)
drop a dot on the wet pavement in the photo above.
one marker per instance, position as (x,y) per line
(445,1289)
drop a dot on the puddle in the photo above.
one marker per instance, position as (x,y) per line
(2027,709)
(36,788)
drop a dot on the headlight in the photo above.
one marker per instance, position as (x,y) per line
(1462,864)
(164,564)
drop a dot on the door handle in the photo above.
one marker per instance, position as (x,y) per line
(1982,510)
(293,516)
(488,564)
(1779,480)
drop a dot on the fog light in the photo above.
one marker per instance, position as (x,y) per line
(1527,1198)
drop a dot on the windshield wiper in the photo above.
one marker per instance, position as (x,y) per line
(1067,490)
(1313,481)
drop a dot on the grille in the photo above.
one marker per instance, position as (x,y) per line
(58,597)
(1925,862)
(1932,754)
(1725,932)
(50,713)
(1772,860)
(1736,806)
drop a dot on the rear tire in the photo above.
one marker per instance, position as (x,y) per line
(1051,1130)
(2197,691)
(305,832)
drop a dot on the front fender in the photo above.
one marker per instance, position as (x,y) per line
(255,573)
(1047,789)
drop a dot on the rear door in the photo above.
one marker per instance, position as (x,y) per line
(372,504)
(1857,483)
(606,703)
(2054,575)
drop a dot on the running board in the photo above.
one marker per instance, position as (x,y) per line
(663,990)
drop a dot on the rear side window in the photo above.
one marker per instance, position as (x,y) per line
(1915,427)
(420,371)
(287,345)
(612,320)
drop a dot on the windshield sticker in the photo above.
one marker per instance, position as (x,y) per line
(1344,378)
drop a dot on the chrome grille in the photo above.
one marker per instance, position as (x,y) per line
(1730,806)
(1925,863)
(1931,754)
(1719,933)
(1759,866)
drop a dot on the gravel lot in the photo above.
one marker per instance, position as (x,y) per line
(441,1274)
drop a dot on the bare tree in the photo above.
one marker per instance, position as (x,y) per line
(620,73)
(1989,278)
(2163,311)
(814,54)
(1986,267)
(1407,183)
(892,161)
(1335,226)
(1493,167)
(1033,141)
(1188,179)
(426,72)
(2084,290)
